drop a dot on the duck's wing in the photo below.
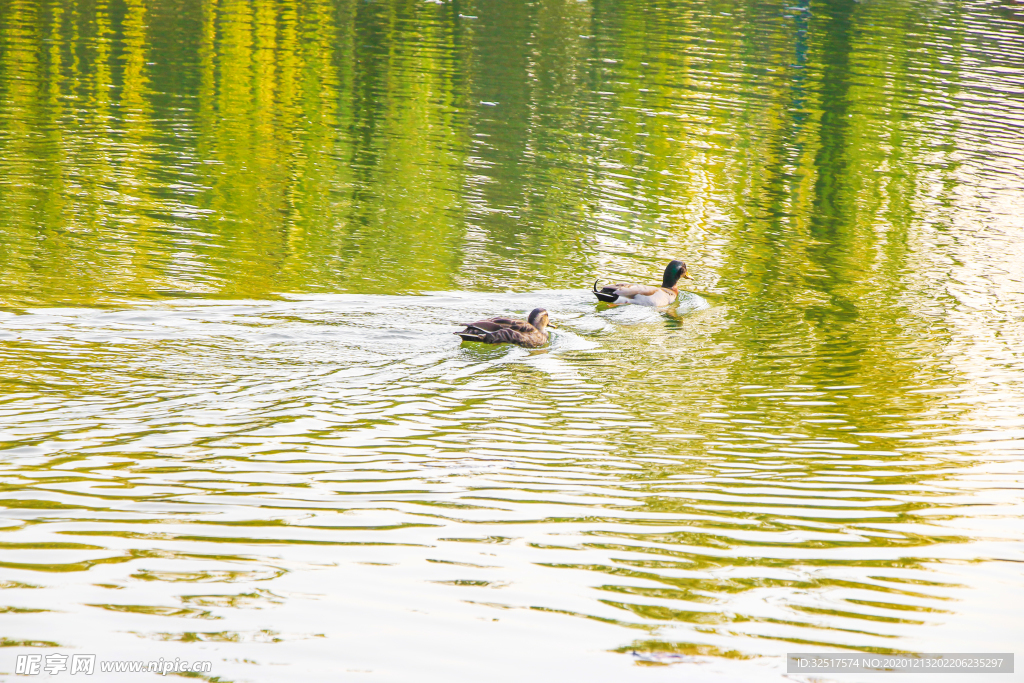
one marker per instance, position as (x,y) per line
(522,327)
(502,331)
(659,297)
(629,291)
(497,324)
(491,324)
(508,336)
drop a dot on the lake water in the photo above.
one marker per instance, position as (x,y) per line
(235,238)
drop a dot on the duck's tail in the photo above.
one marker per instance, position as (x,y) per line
(607,294)
(471,334)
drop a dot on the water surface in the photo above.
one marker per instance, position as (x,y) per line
(235,238)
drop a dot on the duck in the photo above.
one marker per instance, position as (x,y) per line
(531,334)
(646,295)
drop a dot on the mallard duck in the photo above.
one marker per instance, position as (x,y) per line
(508,331)
(646,295)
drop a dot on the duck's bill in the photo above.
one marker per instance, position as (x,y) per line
(552,325)
(687,276)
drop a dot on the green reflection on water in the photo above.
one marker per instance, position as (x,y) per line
(249,148)
(841,176)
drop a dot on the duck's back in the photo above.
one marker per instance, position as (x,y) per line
(503,331)
(656,296)
(645,295)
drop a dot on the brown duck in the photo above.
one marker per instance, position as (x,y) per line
(531,333)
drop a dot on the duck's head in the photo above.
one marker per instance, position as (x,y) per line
(675,270)
(538,318)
